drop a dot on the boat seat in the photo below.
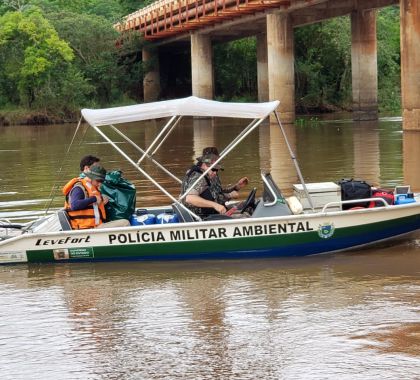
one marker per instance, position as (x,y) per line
(64,220)
(183,215)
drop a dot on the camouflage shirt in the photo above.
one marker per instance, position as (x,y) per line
(199,188)
(220,193)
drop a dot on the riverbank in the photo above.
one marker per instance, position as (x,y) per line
(22,116)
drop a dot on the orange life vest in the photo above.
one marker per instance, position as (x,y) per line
(82,219)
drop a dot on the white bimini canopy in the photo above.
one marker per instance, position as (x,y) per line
(191,106)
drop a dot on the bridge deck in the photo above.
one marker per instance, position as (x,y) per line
(167,18)
(172,18)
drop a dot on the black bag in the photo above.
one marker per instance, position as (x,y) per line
(354,189)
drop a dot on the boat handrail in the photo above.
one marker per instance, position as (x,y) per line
(273,193)
(339,203)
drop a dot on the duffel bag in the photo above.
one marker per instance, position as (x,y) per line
(354,189)
(387,195)
(121,194)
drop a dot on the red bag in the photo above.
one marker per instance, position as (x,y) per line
(388,196)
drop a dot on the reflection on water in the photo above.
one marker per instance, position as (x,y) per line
(403,338)
(350,315)
(365,150)
(411,150)
(347,316)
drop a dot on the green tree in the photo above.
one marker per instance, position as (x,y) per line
(389,57)
(93,41)
(323,64)
(130,6)
(111,62)
(236,69)
(110,9)
(35,62)
(13,5)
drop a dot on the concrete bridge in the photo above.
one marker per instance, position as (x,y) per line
(200,23)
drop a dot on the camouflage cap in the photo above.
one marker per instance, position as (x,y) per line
(96,172)
(209,159)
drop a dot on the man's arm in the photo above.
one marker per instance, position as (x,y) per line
(197,201)
(237,186)
(78,200)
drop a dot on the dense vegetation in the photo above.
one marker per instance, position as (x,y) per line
(58,55)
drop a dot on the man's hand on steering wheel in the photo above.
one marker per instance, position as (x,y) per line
(250,201)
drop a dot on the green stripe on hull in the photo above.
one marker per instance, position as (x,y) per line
(173,250)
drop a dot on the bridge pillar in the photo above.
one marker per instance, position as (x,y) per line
(410,63)
(280,58)
(202,66)
(262,67)
(151,80)
(364,65)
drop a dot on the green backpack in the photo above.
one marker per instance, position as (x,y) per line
(121,194)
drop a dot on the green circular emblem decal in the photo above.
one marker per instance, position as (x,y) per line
(326,230)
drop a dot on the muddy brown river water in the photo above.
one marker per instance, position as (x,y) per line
(352,315)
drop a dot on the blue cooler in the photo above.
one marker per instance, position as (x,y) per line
(142,220)
(166,218)
(402,199)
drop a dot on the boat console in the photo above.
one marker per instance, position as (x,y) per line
(273,203)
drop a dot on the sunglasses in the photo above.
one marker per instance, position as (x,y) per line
(214,170)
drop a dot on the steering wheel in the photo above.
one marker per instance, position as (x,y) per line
(250,200)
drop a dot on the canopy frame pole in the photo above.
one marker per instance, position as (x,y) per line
(255,123)
(293,157)
(168,124)
(167,135)
(240,135)
(161,188)
(131,142)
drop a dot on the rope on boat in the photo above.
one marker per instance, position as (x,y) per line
(61,173)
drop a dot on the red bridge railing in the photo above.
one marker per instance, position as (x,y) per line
(168,18)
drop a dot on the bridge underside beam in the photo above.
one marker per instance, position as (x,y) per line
(364,65)
(410,63)
(337,8)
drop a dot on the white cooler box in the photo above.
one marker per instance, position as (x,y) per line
(321,193)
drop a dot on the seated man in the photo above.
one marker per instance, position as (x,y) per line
(227,193)
(86,162)
(84,202)
(200,199)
